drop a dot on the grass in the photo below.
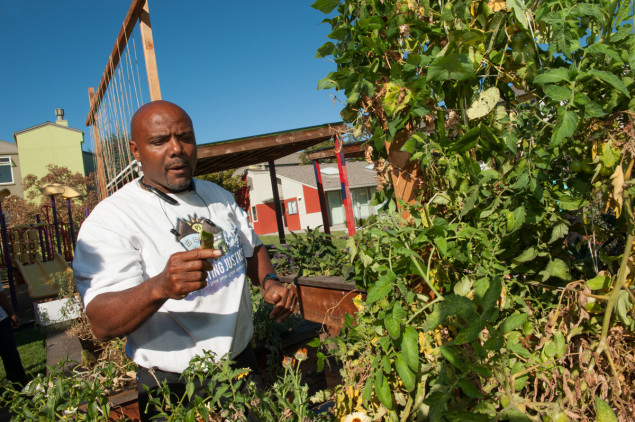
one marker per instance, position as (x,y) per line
(31,341)
(274,239)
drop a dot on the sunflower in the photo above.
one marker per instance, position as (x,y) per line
(357,417)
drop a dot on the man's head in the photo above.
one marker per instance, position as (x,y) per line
(163,142)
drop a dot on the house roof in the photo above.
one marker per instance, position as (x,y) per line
(8,147)
(243,152)
(20,132)
(358,175)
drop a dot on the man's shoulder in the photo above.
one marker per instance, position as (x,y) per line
(211,187)
(123,198)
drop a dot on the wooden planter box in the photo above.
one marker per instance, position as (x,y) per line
(325,300)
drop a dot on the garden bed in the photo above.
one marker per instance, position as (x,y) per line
(325,300)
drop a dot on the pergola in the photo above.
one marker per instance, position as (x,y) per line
(243,152)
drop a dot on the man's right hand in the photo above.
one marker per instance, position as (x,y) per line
(185,272)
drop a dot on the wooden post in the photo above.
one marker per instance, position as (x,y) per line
(346,191)
(323,208)
(276,201)
(101,175)
(148,52)
(406,173)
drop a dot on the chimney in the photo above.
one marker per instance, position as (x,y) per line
(59,112)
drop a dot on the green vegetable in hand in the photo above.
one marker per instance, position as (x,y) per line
(207,240)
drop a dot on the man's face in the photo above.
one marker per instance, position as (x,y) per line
(165,145)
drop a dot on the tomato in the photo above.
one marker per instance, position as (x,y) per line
(606,171)
(587,167)
(576,166)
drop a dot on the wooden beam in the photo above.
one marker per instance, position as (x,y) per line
(212,150)
(148,53)
(357,149)
(126,29)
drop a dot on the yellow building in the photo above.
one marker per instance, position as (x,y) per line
(52,143)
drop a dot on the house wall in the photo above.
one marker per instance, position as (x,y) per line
(307,203)
(266,222)
(10,161)
(50,144)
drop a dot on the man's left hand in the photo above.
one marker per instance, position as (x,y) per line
(283,297)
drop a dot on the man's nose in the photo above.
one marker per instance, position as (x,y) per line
(176,148)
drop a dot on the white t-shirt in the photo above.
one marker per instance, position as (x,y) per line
(129,237)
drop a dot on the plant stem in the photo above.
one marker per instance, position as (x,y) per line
(621,276)
(438,299)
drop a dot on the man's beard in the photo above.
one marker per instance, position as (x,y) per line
(180,187)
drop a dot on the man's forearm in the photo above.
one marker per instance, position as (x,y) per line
(259,264)
(117,314)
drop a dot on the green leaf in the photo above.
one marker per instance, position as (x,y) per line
(549,349)
(603,411)
(325,6)
(621,33)
(552,75)
(410,348)
(467,141)
(527,255)
(556,268)
(492,294)
(557,92)
(565,126)
(406,375)
(558,339)
(512,322)
(382,389)
(484,103)
(442,244)
(610,79)
(393,321)
(559,231)
(435,318)
(470,332)
(450,356)
(623,306)
(599,282)
(581,9)
(469,389)
(325,50)
(189,389)
(378,291)
(601,48)
(519,218)
(571,204)
(519,8)
(452,66)
(326,83)
(367,392)
(457,305)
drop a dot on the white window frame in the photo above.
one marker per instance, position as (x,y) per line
(292,207)
(254,213)
(9,163)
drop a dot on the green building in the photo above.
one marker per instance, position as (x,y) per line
(52,143)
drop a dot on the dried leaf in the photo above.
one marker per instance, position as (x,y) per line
(617,196)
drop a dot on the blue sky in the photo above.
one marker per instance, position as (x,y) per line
(239,68)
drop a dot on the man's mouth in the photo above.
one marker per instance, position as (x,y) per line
(178,167)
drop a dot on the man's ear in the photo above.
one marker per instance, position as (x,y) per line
(134,149)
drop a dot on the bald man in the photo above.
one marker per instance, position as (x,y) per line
(142,273)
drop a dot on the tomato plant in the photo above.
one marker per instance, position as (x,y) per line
(507,131)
